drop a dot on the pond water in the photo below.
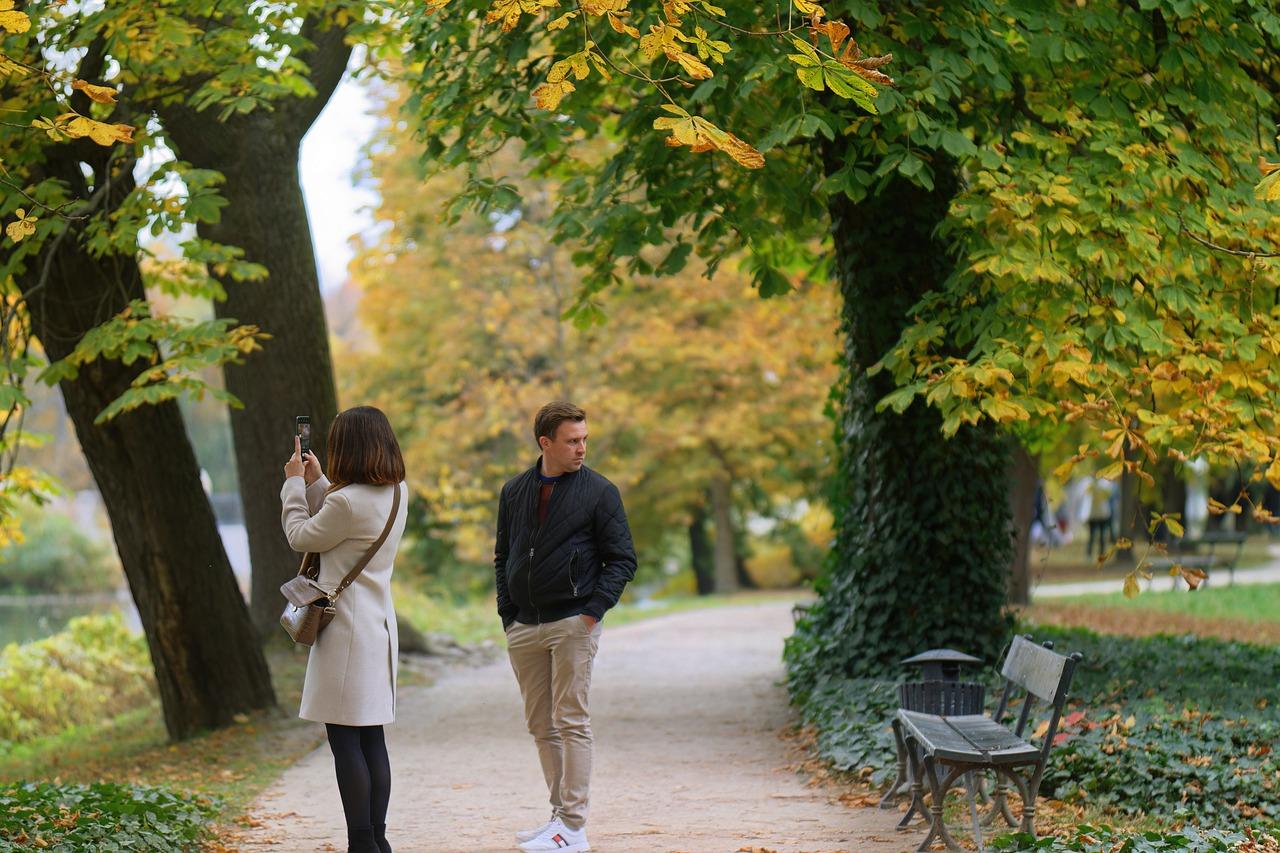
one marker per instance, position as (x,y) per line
(24,618)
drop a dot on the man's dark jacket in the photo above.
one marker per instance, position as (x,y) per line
(577,562)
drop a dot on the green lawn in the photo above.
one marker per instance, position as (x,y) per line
(1248,603)
(477,620)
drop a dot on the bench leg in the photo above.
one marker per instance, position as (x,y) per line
(1000,803)
(916,806)
(1027,790)
(900,782)
(938,791)
(970,786)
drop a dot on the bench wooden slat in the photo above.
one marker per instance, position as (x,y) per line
(967,739)
(1035,668)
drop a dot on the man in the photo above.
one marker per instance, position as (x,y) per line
(562,558)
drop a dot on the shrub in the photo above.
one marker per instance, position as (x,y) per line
(56,556)
(94,669)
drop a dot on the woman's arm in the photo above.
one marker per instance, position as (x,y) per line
(316,494)
(306,532)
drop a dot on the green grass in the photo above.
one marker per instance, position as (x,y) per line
(1251,603)
(475,621)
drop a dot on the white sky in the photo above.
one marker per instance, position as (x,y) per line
(330,155)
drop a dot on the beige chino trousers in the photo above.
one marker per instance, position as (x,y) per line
(552,663)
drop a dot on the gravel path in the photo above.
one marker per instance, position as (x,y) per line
(686,711)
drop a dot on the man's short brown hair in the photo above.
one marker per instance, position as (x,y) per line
(552,415)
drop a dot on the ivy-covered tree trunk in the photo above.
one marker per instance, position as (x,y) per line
(208,666)
(266,217)
(922,545)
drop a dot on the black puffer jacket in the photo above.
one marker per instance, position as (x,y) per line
(577,562)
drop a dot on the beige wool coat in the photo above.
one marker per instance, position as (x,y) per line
(351,670)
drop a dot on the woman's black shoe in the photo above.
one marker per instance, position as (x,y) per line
(380,836)
(361,841)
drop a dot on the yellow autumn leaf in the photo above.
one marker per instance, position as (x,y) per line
(78,126)
(12,21)
(809,9)
(10,68)
(692,66)
(561,22)
(1273,472)
(508,12)
(97,94)
(549,95)
(661,39)
(22,227)
(701,135)
(1131,588)
(622,27)
(601,7)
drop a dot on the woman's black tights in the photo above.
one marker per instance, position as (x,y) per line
(364,779)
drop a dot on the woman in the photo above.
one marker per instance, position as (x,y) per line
(351,672)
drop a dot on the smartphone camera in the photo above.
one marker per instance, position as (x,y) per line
(302,429)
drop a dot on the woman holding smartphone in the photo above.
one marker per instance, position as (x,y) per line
(350,684)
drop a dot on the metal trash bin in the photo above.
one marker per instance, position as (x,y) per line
(940,692)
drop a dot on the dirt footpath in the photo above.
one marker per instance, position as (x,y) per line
(686,711)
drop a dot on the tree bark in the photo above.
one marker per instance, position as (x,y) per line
(267,218)
(725,561)
(700,553)
(1024,483)
(922,548)
(208,668)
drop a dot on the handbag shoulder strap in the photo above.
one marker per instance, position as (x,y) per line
(373,549)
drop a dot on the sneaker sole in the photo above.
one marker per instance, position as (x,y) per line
(572,848)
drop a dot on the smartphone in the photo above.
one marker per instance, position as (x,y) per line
(302,429)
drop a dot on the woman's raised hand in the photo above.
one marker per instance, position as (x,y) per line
(295,467)
(311,470)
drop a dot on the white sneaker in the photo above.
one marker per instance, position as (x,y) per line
(558,837)
(529,834)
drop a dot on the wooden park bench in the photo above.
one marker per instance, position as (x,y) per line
(1224,549)
(943,748)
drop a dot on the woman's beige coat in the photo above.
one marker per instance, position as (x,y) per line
(351,672)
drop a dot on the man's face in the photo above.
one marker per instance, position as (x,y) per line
(567,450)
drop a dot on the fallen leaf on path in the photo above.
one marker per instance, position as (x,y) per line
(462,786)
(756,850)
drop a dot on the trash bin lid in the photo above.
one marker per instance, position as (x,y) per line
(940,656)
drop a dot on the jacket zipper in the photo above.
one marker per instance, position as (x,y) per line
(529,578)
(572,583)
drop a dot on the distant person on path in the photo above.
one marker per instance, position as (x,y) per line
(1100,529)
(350,684)
(562,557)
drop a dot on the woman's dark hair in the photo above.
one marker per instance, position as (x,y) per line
(363,449)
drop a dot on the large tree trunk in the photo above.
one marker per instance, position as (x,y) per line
(922,545)
(267,217)
(1023,485)
(208,666)
(700,554)
(725,560)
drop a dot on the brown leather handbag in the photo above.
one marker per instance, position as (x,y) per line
(309,608)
